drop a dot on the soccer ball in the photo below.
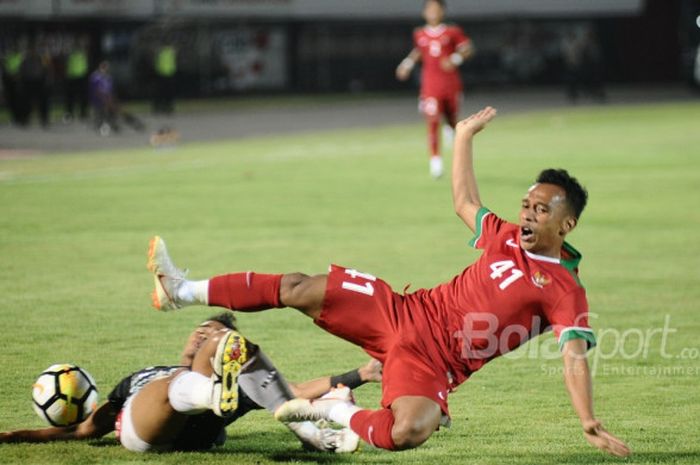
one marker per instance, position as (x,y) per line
(64,395)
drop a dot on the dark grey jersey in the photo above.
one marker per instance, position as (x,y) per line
(260,386)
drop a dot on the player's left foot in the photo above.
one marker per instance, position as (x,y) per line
(167,277)
(436,166)
(231,354)
(314,409)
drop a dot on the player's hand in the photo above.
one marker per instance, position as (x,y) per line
(403,72)
(475,123)
(600,438)
(371,371)
(447,65)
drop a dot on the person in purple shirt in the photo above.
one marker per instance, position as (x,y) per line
(105,103)
(101,88)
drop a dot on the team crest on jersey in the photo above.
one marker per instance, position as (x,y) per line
(540,280)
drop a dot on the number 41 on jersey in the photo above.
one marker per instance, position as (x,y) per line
(500,269)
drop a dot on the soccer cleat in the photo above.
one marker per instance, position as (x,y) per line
(231,355)
(327,439)
(314,409)
(167,277)
(344,441)
(436,166)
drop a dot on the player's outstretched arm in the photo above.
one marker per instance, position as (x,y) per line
(99,423)
(371,372)
(578,382)
(465,192)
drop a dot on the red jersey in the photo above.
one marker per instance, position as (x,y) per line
(506,297)
(436,44)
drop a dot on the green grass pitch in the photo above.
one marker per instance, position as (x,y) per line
(74,231)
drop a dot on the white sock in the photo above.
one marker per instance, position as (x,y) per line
(194,292)
(448,135)
(190,393)
(436,166)
(342,412)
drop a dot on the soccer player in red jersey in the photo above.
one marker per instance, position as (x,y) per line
(442,49)
(429,341)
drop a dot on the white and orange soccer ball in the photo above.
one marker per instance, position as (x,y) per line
(64,394)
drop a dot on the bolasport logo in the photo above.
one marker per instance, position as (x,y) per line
(629,351)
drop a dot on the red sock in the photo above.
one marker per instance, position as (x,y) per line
(247,292)
(374,426)
(433,136)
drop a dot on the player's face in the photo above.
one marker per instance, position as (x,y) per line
(433,13)
(199,336)
(544,220)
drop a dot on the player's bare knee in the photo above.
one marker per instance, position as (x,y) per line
(212,343)
(408,434)
(201,363)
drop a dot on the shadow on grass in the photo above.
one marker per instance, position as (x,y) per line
(666,457)
(689,457)
(277,446)
(280,446)
(104,442)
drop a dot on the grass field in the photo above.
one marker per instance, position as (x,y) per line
(74,231)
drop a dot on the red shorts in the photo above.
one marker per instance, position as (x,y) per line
(364,310)
(434,105)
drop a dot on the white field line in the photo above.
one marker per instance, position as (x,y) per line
(285,151)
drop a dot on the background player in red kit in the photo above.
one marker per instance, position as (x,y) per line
(442,48)
(430,341)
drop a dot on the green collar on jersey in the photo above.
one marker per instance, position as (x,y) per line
(573,257)
(570,258)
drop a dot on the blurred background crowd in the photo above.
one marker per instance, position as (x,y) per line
(85,55)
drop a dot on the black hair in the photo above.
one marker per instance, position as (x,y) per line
(440,2)
(576,194)
(226,318)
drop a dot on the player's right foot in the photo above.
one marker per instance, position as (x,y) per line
(327,439)
(231,355)
(345,441)
(167,277)
(314,409)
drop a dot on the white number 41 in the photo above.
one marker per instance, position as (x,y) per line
(499,268)
(366,289)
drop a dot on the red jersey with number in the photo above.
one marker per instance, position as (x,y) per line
(505,298)
(437,44)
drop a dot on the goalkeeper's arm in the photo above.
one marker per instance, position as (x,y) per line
(370,372)
(99,423)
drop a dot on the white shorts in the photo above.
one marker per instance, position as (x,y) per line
(128,436)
